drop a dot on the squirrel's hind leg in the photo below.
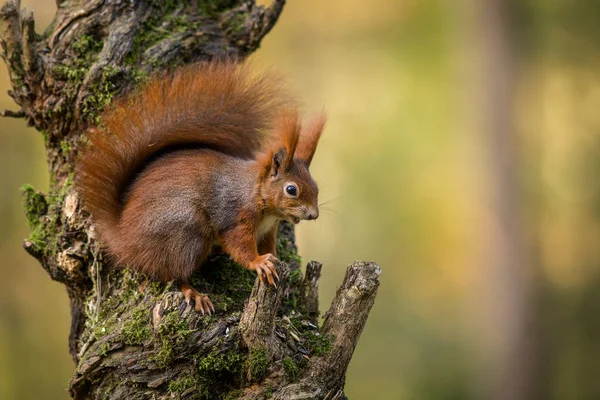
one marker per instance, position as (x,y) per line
(197,250)
(202,302)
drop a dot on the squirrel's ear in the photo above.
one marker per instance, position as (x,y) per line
(277,162)
(309,138)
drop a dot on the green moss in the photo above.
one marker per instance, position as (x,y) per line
(291,369)
(38,238)
(34,204)
(318,345)
(86,49)
(137,329)
(182,384)
(164,355)
(104,349)
(44,231)
(72,74)
(102,95)
(236,23)
(214,7)
(268,392)
(175,327)
(257,365)
(157,27)
(87,46)
(173,330)
(295,276)
(131,283)
(286,252)
(45,137)
(103,328)
(110,308)
(66,147)
(216,361)
(219,371)
(227,283)
(156,288)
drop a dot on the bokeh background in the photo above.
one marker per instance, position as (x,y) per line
(462,155)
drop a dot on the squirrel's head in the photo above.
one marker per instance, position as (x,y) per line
(286,184)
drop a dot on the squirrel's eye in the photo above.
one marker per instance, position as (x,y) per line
(291,190)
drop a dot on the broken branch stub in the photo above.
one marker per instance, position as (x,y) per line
(343,325)
(258,319)
(347,316)
(309,295)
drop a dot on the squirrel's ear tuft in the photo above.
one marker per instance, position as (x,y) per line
(279,154)
(287,130)
(309,138)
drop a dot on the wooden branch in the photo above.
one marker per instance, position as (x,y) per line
(31,60)
(344,323)
(12,114)
(309,293)
(257,323)
(347,316)
(10,38)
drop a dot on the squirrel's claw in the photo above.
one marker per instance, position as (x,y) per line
(265,269)
(201,301)
(204,305)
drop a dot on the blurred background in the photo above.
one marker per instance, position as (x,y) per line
(462,155)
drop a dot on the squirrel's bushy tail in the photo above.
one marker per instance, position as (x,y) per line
(219,105)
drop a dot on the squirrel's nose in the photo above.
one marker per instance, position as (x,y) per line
(313,214)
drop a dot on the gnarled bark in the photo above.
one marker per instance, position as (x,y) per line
(132,337)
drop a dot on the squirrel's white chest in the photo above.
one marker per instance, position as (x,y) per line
(265,224)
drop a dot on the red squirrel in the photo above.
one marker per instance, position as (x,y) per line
(209,156)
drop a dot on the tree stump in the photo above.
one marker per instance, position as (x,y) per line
(132,337)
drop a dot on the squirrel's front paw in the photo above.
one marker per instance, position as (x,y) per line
(265,268)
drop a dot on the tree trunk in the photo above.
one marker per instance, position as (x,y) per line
(132,337)
(507,304)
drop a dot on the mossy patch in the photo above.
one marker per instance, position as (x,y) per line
(228,284)
(86,49)
(137,329)
(317,344)
(286,252)
(161,24)
(87,46)
(34,204)
(104,347)
(42,215)
(175,327)
(173,330)
(220,371)
(101,94)
(182,384)
(257,365)
(236,22)
(291,369)
(268,392)
(294,367)
(214,7)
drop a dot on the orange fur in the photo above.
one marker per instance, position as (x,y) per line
(309,138)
